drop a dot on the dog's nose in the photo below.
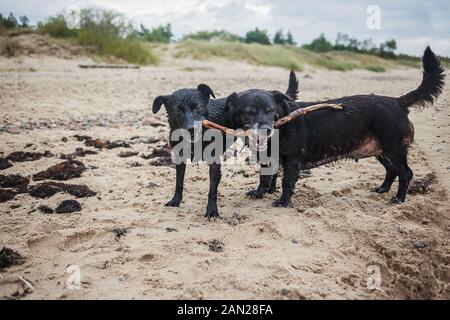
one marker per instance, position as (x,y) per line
(265,127)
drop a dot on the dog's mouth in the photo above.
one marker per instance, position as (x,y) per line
(259,138)
(195,132)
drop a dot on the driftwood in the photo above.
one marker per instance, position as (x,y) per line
(107,66)
(302,111)
(231,132)
(294,114)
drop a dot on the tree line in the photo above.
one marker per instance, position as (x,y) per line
(113,24)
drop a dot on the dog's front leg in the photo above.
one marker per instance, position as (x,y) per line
(214,180)
(178,196)
(273,184)
(290,178)
(265,185)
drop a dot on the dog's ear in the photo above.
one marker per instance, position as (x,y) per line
(231,100)
(286,107)
(280,97)
(206,91)
(158,102)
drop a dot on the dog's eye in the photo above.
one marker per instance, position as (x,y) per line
(196,107)
(270,110)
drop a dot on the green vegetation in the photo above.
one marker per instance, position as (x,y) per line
(289,57)
(12,25)
(253,53)
(345,43)
(257,36)
(104,33)
(10,48)
(280,38)
(161,34)
(217,35)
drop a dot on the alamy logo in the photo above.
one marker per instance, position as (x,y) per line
(73,17)
(374,279)
(73,282)
(374,19)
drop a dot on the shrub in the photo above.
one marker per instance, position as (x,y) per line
(217,35)
(9,47)
(257,36)
(280,38)
(320,44)
(56,27)
(161,34)
(104,32)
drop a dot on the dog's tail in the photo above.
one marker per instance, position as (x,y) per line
(431,86)
(292,90)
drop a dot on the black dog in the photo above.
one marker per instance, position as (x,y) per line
(185,107)
(368,125)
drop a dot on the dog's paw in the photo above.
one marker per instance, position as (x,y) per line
(396,200)
(282,203)
(211,212)
(380,189)
(255,194)
(175,202)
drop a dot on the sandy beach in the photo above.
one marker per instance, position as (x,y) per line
(329,246)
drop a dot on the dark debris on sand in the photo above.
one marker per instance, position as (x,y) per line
(11,185)
(161,156)
(120,231)
(159,162)
(236,219)
(45,209)
(79,152)
(49,189)
(102,144)
(62,171)
(20,156)
(214,245)
(14,181)
(127,154)
(145,140)
(422,185)
(7,195)
(68,206)
(5,164)
(165,151)
(9,258)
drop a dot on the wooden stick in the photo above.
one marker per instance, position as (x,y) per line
(302,111)
(238,133)
(296,113)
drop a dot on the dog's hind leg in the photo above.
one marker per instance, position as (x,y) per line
(391,174)
(214,179)
(399,159)
(178,196)
(290,177)
(410,173)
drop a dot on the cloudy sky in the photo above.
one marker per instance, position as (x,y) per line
(413,23)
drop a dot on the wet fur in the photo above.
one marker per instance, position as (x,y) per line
(369,125)
(212,109)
